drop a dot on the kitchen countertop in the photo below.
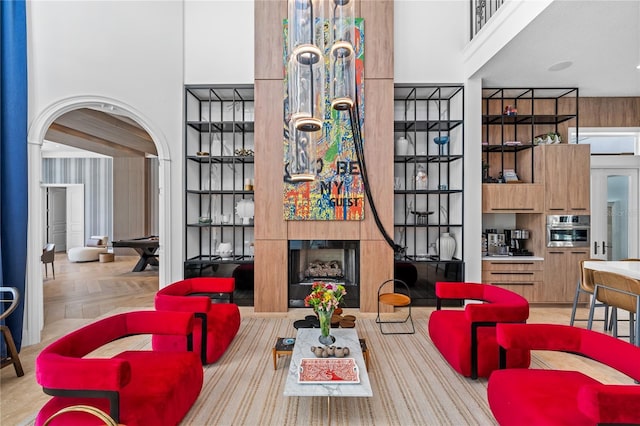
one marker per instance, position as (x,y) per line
(512,258)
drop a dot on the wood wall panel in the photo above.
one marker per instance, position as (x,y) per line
(128,200)
(378,147)
(378,29)
(376,266)
(609,112)
(324,230)
(603,112)
(268,41)
(269,153)
(270,281)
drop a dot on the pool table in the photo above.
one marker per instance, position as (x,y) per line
(146,247)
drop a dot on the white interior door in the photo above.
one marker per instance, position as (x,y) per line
(57,218)
(75,216)
(614,213)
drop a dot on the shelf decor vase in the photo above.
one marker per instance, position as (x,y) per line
(325,326)
(446,246)
(441,141)
(402,146)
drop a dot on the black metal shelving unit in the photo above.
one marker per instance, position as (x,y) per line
(219,159)
(422,113)
(527,123)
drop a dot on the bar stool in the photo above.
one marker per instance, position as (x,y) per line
(614,313)
(396,300)
(12,352)
(618,291)
(585,285)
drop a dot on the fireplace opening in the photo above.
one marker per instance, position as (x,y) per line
(335,261)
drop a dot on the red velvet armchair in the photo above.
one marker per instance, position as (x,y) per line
(139,387)
(558,397)
(466,338)
(220,320)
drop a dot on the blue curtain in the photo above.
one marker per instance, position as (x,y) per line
(13,156)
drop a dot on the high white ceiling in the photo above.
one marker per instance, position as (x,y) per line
(109,134)
(600,37)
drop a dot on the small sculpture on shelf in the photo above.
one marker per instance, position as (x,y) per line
(244,152)
(486,178)
(421,177)
(225,250)
(550,138)
(245,210)
(510,110)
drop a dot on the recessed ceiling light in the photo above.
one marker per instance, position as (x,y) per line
(559,66)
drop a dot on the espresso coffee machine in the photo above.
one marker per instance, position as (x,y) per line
(515,239)
(496,244)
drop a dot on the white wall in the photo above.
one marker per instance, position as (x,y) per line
(429,37)
(128,51)
(218,38)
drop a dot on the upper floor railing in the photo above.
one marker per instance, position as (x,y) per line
(481,12)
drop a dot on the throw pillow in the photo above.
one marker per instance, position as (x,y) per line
(94,242)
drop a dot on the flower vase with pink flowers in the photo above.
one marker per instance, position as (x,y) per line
(325,298)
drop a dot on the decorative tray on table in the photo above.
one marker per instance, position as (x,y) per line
(328,370)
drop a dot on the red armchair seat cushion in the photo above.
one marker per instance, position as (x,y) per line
(450,332)
(162,389)
(525,391)
(191,295)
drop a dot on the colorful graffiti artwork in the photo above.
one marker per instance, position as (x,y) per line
(338,191)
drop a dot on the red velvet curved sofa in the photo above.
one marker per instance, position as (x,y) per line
(139,387)
(466,338)
(220,320)
(557,397)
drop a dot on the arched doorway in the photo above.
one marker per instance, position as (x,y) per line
(34,318)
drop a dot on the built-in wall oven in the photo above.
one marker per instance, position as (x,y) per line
(568,230)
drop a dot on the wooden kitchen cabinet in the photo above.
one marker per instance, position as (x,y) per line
(567,178)
(561,273)
(523,277)
(512,198)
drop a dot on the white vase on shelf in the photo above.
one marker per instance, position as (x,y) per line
(402,146)
(446,246)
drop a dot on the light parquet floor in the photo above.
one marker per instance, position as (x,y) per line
(82,292)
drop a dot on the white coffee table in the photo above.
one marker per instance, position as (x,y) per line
(307,337)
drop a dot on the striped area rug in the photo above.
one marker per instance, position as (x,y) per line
(411,382)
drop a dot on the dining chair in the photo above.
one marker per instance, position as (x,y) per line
(48,256)
(11,297)
(619,292)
